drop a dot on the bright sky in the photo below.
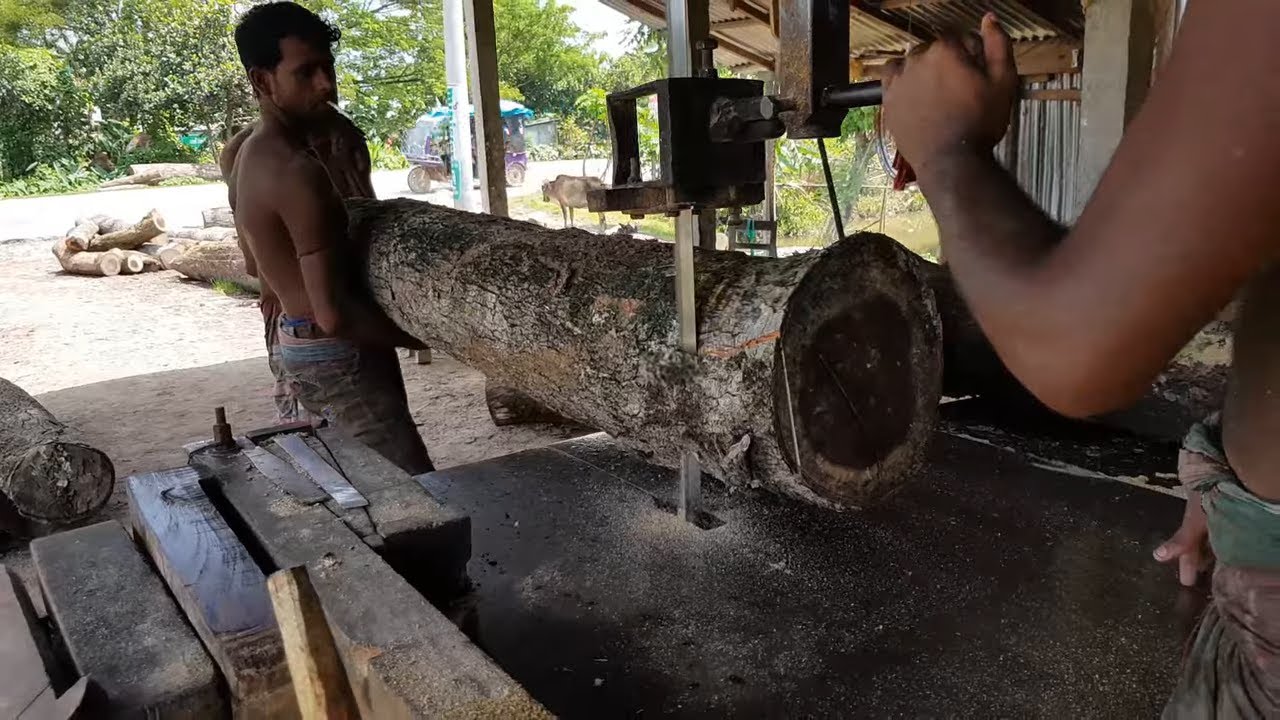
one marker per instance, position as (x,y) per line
(594,17)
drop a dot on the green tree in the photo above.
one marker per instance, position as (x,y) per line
(543,53)
(27,22)
(158,64)
(42,110)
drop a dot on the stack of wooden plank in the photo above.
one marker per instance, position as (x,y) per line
(180,619)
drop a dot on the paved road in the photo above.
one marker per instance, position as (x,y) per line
(181,206)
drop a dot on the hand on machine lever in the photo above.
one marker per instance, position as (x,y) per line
(950,95)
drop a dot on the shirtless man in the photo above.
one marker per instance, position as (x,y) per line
(1184,219)
(337,348)
(341,147)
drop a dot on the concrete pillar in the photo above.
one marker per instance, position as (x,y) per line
(482,48)
(1119,42)
(455,71)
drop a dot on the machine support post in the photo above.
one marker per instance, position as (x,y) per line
(491,151)
(688,21)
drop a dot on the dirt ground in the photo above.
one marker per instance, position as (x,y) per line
(137,363)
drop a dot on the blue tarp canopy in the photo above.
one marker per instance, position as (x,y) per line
(510,108)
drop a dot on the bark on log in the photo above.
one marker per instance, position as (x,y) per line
(218,217)
(164,253)
(79,236)
(212,234)
(106,224)
(155,173)
(47,473)
(819,375)
(209,261)
(103,264)
(130,238)
(508,406)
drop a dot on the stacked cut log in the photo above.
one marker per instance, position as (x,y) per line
(48,474)
(104,246)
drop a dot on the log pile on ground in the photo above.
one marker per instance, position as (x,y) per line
(105,246)
(156,173)
(48,474)
(212,261)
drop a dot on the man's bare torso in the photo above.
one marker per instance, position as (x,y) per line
(262,160)
(1251,418)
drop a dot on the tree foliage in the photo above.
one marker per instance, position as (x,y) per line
(42,110)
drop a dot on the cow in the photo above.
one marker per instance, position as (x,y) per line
(570,191)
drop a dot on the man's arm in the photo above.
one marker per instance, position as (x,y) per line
(316,221)
(227,163)
(1183,217)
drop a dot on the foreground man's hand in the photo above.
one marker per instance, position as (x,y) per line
(1190,545)
(949,97)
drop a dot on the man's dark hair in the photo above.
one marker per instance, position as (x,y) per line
(260,30)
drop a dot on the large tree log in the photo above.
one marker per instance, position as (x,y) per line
(47,473)
(818,376)
(218,217)
(130,238)
(103,264)
(135,261)
(210,261)
(155,173)
(211,234)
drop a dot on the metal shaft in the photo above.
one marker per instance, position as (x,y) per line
(854,95)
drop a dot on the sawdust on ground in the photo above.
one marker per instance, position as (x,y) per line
(137,364)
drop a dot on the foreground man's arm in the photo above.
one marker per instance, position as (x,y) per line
(315,218)
(1182,218)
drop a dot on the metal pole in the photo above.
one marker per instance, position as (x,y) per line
(455,71)
(491,150)
(688,21)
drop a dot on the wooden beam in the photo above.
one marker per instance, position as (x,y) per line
(22,664)
(217,584)
(1047,57)
(403,658)
(491,146)
(319,680)
(733,23)
(749,55)
(1051,94)
(751,11)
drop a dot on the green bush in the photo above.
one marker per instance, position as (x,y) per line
(801,212)
(385,157)
(540,153)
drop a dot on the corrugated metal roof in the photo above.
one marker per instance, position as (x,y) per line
(886,27)
(936,17)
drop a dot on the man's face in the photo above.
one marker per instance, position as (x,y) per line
(303,84)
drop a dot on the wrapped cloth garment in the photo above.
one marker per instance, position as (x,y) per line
(1232,664)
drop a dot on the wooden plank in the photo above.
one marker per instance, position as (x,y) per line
(1051,94)
(121,628)
(482,51)
(217,584)
(1047,57)
(283,474)
(21,661)
(257,436)
(320,471)
(403,658)
(319,680)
